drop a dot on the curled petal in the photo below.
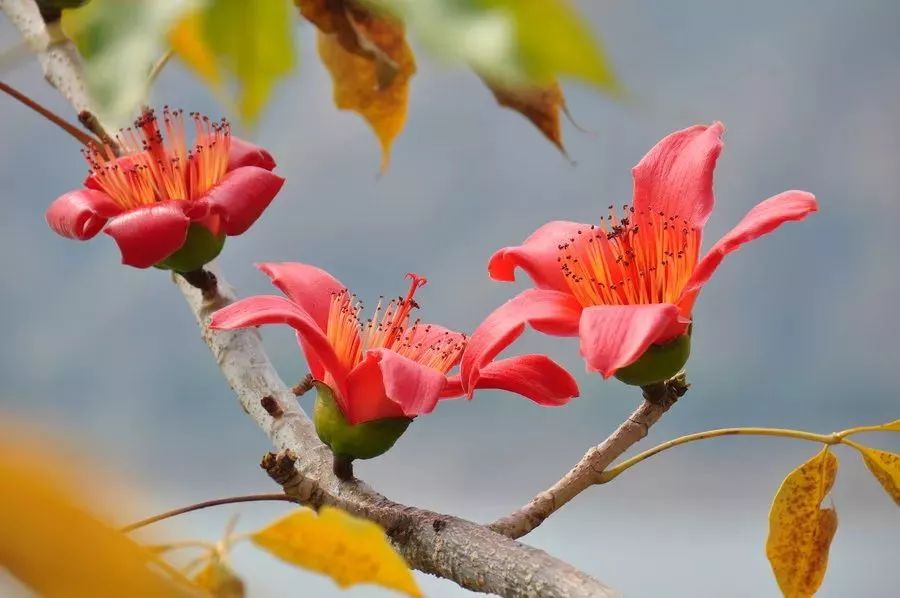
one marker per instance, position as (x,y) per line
(269,309)
(81,214)
(243,153)
(414,387)
(762,219)
(242,196)
(453,388)
(676,176)
(536,377)
(149,234)
(613,336)
(550,312)
(537,255)
(308,286)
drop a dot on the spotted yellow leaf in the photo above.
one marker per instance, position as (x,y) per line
(541,104)
(347,549)
(885,467)
(800,530)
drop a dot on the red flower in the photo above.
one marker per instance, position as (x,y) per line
(631,281)
(148,198)
(387,366)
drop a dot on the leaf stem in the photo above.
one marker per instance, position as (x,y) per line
(59,121)
(827,439)
(858,429)
(206,504)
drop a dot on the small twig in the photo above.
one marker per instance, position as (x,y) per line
(158,67)
(586,473)
(202,279)
(304,386)
(59,121)
(206,504)
(90,122)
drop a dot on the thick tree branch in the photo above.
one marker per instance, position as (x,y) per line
(588,471)
(469,554)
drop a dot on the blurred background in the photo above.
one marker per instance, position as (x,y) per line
(797,330)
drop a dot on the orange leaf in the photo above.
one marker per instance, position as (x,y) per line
(541,105)
(370,64)
(800,531)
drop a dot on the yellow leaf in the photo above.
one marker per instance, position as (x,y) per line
(347,549)
(187,41)
(800,531)
(539,104)
(885,467)
(220,580)
(51,543)
(370,65)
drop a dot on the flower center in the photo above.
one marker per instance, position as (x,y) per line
(156,168)
(643,257)
(389,328)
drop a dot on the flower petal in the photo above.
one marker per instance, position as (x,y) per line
(538,255)
(613,336)
(366,397)
(762,219)
(536,377)
(243,153)
(149,234)
(416,388)
(270,309)
(676,176)
(550,312)
(308,286)
(453,388)
(242,196)
(81,214)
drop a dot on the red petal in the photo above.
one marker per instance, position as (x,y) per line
(244,153)
(676,176)
(537,255)
(413,386)
(452,388)
(242,196)
(536,377)
(149,234)
(551,312)
(762,219)
(613,336)
(81,214)
(309,287)
(269,309)
(366,397)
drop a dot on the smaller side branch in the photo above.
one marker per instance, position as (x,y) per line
(588,471)
(57,120)
(205,505)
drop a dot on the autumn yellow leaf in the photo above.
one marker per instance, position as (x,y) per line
(218,578)
(347,549)
(800,530)
(187,41)
(885,467)
(370,64)
(539,104)
(54,545)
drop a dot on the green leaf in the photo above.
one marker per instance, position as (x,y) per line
(253,42)
(516,42)
(120,42)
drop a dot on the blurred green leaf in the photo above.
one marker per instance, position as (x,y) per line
(251,40)
(120,41)
(516,42)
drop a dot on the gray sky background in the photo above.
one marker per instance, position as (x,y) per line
(797,330)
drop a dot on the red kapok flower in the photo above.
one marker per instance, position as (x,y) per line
(166,204)
(630,282)
(388,366)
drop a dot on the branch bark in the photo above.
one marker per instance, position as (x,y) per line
(588,471)
(469,554)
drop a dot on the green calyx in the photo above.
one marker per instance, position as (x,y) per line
(362,441)
(200,247)
(658,363)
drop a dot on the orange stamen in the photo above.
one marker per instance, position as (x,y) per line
(388,328)
(640,258)
(159,167)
